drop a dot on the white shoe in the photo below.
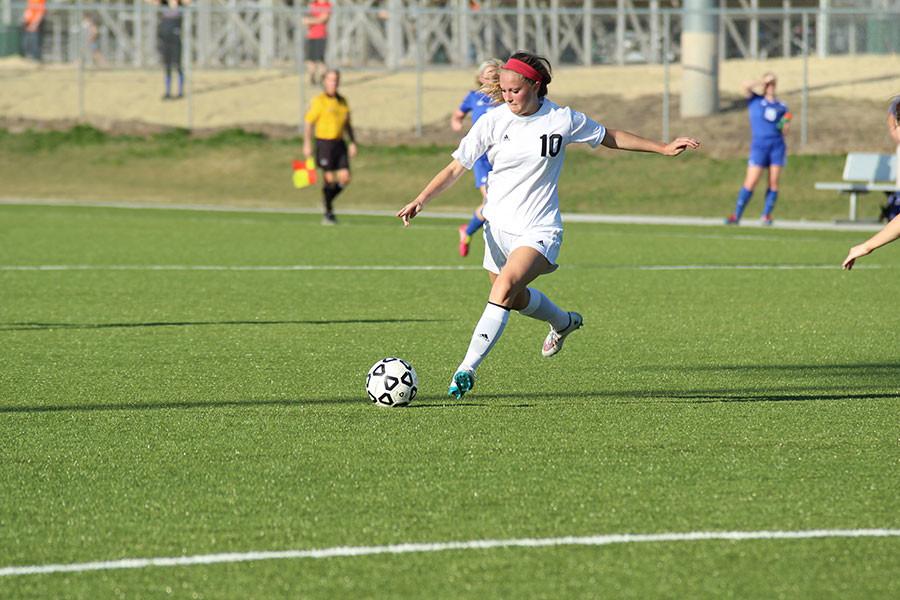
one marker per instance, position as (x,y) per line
(553,343)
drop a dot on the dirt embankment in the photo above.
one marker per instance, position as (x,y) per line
(846,109)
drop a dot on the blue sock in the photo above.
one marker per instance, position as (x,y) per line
(474,225)
(771,198)
(168,85)
(742,200)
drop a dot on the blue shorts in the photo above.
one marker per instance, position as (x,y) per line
(481,169)
(768,153)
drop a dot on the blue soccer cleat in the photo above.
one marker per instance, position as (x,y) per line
(462,382)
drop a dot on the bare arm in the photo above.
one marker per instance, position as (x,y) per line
(456,121)
(307,138)
(443,180)
(747,87)
(348,131)
(618,139)
(887,235)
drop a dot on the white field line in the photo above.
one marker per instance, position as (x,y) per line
(411,548)
(567,217)
(238,268)
(832,267)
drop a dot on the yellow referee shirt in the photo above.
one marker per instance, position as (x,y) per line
(328,114)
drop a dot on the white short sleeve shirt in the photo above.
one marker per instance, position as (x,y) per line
(527,154)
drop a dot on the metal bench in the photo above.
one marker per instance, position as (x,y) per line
(865,172)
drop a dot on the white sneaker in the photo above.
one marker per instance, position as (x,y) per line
(553,343)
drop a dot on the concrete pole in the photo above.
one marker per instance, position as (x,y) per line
(554,31)
(520,25)
(754,29)
(394,34)
(620,32)
(667,37)
(463,31)
(823,25)
(266,33)
(699,59)
(137,59)
(187,64)
(587,37)
(654,32)
(804,98)
(7,12)
(786,29)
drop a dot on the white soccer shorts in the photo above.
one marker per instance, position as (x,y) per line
(498,245)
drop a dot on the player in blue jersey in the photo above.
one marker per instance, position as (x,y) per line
(477,104)
(769,121)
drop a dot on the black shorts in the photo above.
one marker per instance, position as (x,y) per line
(331,155)
(315,50)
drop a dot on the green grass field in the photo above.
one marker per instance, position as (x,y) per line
(242,169)
(153,408)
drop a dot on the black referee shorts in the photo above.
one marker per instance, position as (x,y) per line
(331,155)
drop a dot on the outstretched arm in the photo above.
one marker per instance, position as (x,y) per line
(443,180)
(887,235)
(618,139)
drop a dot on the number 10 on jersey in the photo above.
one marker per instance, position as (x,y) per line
(551,144)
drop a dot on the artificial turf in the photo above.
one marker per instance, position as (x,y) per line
(166,395)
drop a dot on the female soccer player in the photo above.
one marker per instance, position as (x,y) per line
(891,231)
(525,139)
(329,116)
(769,121)
(477,103)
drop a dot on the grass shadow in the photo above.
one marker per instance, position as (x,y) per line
(37,326)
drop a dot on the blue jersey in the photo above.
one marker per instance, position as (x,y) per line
(476,103)
(765,117)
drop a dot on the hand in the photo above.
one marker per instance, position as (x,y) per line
(307,150)
(455,125)
(679,145)
(855,252)
(409,211)
(352,149)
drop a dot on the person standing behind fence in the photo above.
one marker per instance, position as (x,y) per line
(32,26)
(169,42)
(477,103)
(328,120)
(316,21)
(769,121)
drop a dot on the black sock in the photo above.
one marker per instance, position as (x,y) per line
(329,191)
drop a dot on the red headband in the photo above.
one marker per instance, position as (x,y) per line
(523,69)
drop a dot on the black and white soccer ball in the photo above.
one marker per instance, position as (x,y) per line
(392,382)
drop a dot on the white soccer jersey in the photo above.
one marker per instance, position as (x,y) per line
(527,154)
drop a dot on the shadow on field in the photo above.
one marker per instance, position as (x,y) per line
(50,326)
(227,404)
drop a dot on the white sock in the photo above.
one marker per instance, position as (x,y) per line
(486,334)
(540,307)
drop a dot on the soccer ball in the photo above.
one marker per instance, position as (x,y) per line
(392,382)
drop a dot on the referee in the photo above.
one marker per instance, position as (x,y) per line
(329,116)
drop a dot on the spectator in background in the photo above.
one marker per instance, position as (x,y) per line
(92,40)
(32,25)
(769,121)
(169,42)
(316,22)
